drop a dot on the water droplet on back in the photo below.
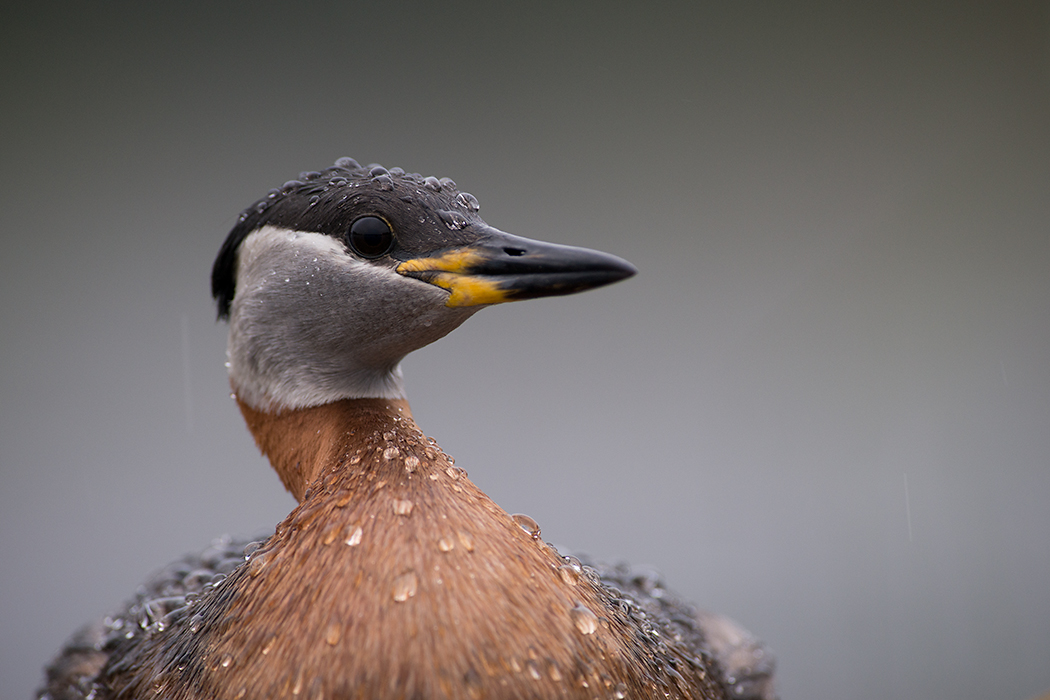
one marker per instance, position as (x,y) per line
(432,183)
(445,544)
(404,586)
(257,563)
(527,524)
(391,452)
(411,463)
(348,163)
(333,634)
(403,506)
(569,574)
(585,620)
(620,692)
(466,540)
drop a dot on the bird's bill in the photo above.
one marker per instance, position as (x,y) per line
(501,267)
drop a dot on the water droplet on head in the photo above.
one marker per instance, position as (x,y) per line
(354,533)
(456,473)
(227,661)
(384,182)
(453,219)
(403,506)
(533,669)
(445,544)
(620,692)
(390,453)
(447,182)
(585,620)
(314,199)
(431,183)
(404,587)
(348,163)
(411,463)
(527,524)
(377,170)
(468,201)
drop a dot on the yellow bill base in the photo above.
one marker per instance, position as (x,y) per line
(448,271)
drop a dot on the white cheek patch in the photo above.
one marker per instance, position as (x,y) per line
(275,270)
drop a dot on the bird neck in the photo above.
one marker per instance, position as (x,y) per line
(395,577)
(301,442)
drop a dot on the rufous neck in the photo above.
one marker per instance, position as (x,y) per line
(301,442)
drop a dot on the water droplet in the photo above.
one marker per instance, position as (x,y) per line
(586,621)
(269,645)
(388,436)
(411,463)
(468,201)
(403,506)
(331,532)
(448,182)
(332,635)
(527,524)
(404,587)
(533,669)
(453,219)
(391,452)
(555,674)
(620,692)
(385,182)
(354,533)
(314,199)
(227,661)
(432,183)
(356,458)
(456,473)
(195,623)
(348,163)
(343,500)
(298,686)
(466,540)
(569,574)
(337,181)
(377,170)
(445,544)
(257,563)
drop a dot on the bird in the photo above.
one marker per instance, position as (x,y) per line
(394,576)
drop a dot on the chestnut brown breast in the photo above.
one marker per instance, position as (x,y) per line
(396,577)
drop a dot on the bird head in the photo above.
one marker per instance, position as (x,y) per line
(329,281)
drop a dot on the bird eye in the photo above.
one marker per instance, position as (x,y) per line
(371,237)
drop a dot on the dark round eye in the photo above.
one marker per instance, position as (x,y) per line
(371,237)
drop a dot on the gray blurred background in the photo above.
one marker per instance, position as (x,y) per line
(822,407)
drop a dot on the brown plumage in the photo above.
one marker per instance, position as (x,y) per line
(397,577)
